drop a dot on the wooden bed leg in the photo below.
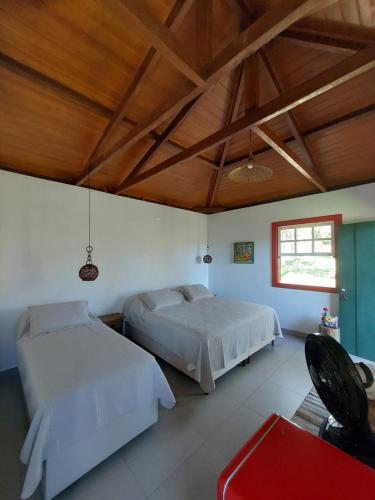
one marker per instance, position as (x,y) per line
(273,343)
(243,363)
(248,360)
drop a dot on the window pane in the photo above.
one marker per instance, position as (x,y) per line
(287,247)
(311,271)
(323,231)
(322,246)
(304,246)
(304,233)
(287,234)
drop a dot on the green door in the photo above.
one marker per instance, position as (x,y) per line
(348,300)
(365,273)
(357,284)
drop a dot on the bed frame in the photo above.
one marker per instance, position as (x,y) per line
(73,462)
(154,347)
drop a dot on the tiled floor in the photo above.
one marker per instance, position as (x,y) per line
(181,456)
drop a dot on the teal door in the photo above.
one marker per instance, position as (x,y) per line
(357,283)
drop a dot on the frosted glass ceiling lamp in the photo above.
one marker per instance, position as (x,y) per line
(89,272)
(250,170)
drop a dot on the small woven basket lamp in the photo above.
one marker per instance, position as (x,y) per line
(207,259)
(89,272)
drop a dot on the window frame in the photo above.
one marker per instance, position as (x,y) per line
(336,219)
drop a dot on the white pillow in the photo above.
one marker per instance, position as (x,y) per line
(53,317)
(161,298)
(196,292)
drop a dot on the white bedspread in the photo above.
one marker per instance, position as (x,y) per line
(208,333)
(76,381)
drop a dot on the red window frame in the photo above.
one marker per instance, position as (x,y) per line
(335,218)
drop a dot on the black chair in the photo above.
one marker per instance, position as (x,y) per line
(340,387)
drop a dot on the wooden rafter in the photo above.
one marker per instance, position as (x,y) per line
(353,115)
(162,38)
(273,22)
(265,133)
(232,115)
(340,73)
(292,123)
(175,123)
(175,17)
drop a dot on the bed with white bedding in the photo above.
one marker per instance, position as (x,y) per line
(204,338)
(88,391)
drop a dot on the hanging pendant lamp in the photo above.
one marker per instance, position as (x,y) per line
(207,259)
(89,272)
(249,170)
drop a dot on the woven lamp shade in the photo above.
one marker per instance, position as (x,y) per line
(250,172)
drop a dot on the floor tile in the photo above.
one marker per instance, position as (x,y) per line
(195,479)
(111,480)
(294,376)
(229,438)
(154,455)
(273,398)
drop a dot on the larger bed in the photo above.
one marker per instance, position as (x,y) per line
(88,392)
(204,338)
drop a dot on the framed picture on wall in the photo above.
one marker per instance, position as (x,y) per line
(244,252)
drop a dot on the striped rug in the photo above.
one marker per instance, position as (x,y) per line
(311,413)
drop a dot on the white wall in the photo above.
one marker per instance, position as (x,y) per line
(297,310)
(43,235)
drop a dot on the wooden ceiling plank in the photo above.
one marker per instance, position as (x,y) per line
(161,37)
(204,33)
(76,98)
(327,80)
(234,107)
(170,129)
(272,23)
(179,10)
(292,123)
(265,133)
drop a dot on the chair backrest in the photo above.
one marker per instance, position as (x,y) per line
(337,381)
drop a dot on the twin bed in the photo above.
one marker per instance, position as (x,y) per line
(89,390)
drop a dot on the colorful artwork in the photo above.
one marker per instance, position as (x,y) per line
(244,252)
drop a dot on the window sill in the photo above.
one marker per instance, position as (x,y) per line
(306,287)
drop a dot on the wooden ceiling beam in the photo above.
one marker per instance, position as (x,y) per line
(234,107)
(336,122)
(292,123)
(268,136)
(327,80)
(170,129)
(161,37)
(330,34)
(282,14)
(175,17)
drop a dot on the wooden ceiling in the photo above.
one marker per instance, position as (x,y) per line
(156,98)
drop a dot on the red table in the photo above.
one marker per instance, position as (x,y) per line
(282,461)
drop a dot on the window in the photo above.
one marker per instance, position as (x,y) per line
(304,253)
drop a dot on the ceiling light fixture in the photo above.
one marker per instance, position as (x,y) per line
(249,170)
